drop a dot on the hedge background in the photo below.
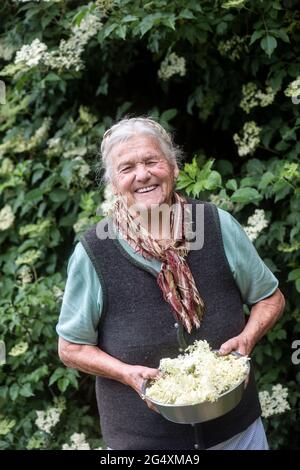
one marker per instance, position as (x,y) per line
(225,77)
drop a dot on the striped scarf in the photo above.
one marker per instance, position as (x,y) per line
(175,278)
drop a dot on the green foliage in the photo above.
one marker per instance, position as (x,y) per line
(104,59)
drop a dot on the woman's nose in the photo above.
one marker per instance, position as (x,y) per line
(141,172)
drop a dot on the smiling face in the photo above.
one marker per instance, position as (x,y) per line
(141,172)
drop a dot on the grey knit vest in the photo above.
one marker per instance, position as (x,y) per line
(138,327)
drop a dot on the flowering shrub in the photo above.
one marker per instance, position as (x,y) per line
(224,74)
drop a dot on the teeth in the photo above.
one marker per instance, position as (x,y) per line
(144,190)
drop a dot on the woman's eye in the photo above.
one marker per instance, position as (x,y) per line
(126,169)
(152,162)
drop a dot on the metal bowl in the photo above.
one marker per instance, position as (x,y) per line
(200,412)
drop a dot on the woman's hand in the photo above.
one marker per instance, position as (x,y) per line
(134,376)
(239,344)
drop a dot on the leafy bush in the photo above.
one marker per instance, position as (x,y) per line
(224,74)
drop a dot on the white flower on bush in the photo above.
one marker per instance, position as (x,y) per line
(31,54)
(78,442)
(18,349)
(173,64)
(293,90)
(275,402)
(58,293)
(46,420)
(24,274)
(6,167)
(233,47)
(69,51)
(253,97)
(233,3)
(222,200)
(249,139)
(6,218)
(256,223)
(107,205)
(83,168)
(29,257)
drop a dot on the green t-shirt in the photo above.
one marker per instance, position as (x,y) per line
(82,302)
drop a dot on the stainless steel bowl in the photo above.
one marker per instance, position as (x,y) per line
(200,412)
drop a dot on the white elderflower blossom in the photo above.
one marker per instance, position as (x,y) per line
(68,54)
(46,420)
(31,54)
(233,48)
(293,90)
(197,375)
(29,257)
(104,5)
(6,167)
(233,4)
(173,64)
(18,349)
(83,168)
(7,218)
(253,97)
(58,293)
(81,225)
(255,224)
(275,402)
(249,140)
(25,275)
(107,205)
(78,442)
(222,201)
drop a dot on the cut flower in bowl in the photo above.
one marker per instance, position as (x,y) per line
(198,385)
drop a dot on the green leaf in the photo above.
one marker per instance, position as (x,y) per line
(129,18)
(26,390)
(266,179)
(34,195)
(58,195)
(121,31)
(246,195)
(63,384)
(268,44)
(187,14)
(256,35)
(14,391)
(167,115)
(232,184)
(213,181)
(280,34)
(52,77)
(293,275)
(57,374)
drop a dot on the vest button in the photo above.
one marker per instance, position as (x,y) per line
(196,446)
(181,350)
(176,325)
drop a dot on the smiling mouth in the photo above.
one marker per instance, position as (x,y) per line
(147,189)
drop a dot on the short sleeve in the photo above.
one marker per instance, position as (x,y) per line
(82,301)
(253,278)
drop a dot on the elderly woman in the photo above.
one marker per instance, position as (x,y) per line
(141,295)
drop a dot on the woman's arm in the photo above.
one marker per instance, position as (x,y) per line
(263,316)
(92,360)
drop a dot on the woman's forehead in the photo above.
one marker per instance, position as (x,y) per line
(142,146)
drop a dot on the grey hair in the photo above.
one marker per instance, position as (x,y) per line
(131,127)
